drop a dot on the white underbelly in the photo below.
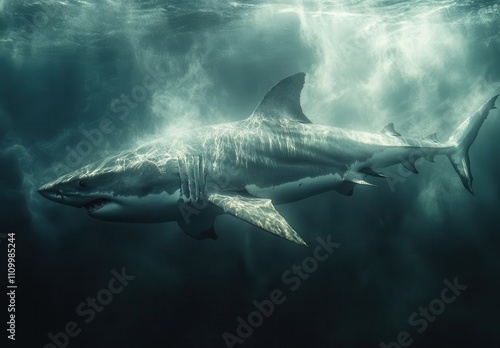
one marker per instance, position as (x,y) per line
(296,190)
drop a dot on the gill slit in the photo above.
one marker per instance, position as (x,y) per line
(192,175)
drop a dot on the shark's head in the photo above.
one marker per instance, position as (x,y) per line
(120,188)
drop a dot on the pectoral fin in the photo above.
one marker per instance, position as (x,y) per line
(258,212)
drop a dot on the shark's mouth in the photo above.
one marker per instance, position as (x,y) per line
(96,204)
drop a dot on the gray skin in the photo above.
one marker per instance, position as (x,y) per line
(275,156)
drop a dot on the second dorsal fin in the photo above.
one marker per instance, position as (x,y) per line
(431,137)
(389,130)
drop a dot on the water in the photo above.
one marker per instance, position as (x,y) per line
(81,80)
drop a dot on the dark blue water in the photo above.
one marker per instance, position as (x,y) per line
(123,72)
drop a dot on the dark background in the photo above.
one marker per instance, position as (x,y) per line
(424,65)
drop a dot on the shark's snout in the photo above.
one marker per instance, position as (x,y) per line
(59,196)
(92,202)
(53,195)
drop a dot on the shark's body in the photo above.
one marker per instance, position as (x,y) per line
(275,156)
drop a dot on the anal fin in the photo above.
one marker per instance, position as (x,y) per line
(410,166)
(371,172)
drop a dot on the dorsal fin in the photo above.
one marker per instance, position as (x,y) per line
(283,100)
(389,130)
(431,137)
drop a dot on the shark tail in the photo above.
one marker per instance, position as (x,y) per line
(461,140)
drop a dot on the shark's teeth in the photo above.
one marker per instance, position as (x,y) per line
(96,204)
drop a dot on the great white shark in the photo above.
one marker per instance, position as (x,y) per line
(244,168)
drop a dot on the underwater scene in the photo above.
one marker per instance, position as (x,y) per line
(249,173)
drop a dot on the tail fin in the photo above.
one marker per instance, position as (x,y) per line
(463,137)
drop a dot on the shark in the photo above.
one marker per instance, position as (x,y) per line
(246,168)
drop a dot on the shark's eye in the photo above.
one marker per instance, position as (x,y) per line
(82,184)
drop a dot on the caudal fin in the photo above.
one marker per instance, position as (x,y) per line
(462,139)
